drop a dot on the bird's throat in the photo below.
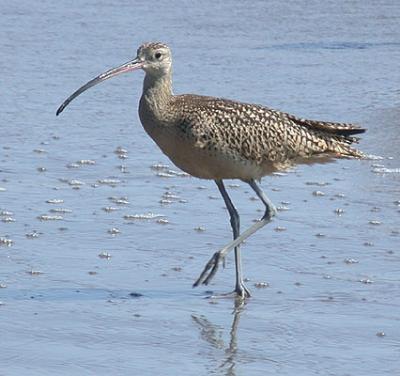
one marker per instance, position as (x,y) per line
(157,91)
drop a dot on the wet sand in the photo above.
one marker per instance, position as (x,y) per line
(101,237)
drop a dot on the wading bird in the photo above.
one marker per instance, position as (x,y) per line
(215,138)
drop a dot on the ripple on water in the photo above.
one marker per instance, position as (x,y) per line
(282,208)
(86,162)
(72,182)
(375,223)
(109,182)
(114,231)
(32,235)
(123,169)
(34,272)
(164,171)
(8,219)
(39,151)
(146,216)
(119,200)
(6,242)
(46,217)
(366,281)
(55,201)
(73,165)
(164,175)
(110,209)
(6,213)
(261,285)
(162,221)
(384,170)
(350,261)
(166,202)
(60,210)
(121,152)
(159,167)
(168,195)
(105,255)
(317,183)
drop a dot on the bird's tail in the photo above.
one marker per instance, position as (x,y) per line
(338,136)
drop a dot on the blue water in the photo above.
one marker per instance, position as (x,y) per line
(66,308)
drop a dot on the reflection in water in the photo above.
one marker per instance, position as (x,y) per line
(213,335)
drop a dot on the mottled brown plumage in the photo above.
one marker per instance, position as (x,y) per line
(258,134)
(215,138)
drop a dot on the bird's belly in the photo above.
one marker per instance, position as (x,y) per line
(207,164)
(202,162)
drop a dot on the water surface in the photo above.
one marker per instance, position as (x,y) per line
(92,284)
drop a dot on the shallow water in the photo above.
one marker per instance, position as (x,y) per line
(93,284)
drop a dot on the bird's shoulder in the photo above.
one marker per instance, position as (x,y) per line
(225,124)
(220,112)
(206,111)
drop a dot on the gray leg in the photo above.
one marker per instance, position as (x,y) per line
(240,288)
(212,265)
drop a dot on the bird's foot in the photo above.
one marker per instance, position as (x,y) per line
(240,293)
(209,270)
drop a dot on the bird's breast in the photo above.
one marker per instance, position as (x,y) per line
(201,161)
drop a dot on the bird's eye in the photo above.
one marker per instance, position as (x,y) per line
(157,55)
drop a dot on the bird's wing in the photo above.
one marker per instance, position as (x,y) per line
(261,134)
(339,129)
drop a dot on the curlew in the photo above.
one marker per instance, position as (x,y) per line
(218,139)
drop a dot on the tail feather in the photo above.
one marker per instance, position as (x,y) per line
(330,138)
(338,129)
(346,151)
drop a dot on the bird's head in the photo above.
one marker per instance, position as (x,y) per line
(154,58)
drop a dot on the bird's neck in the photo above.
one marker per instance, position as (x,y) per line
(157,91)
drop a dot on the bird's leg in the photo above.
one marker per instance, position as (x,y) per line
(240,288)
(212,266)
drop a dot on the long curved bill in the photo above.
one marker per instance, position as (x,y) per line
(127,67)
